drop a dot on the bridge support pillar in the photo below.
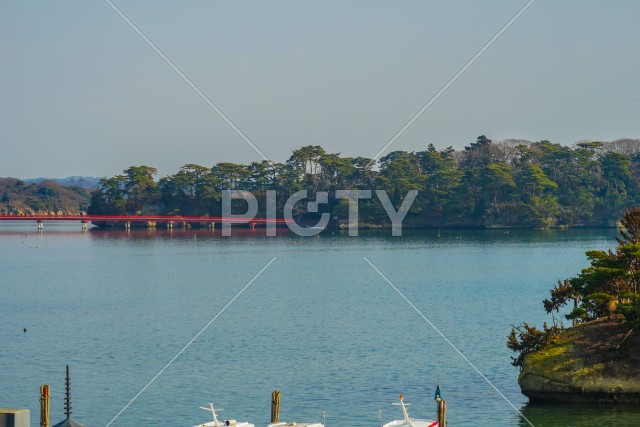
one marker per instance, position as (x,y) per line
(170,225)
(40,225)
(252,225)
(212,225)
(84,225)
(127,225)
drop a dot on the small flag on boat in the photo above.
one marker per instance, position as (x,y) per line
(438,395)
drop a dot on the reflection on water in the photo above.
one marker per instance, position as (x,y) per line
(580,415)
(436,235)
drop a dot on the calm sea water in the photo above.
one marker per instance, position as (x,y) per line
(320,324)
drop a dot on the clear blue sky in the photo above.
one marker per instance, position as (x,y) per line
(82,94)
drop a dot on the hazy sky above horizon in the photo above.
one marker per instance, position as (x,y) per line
(82,94)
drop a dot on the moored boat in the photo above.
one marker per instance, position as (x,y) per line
(407,421)
(283,424)
(217,423)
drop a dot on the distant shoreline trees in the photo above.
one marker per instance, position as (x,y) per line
(512,183)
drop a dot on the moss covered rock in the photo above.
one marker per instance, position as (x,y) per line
(597,361)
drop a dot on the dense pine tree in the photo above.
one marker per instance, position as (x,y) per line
(507,183)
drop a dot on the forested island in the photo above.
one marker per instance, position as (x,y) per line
(597,359)
(512,183)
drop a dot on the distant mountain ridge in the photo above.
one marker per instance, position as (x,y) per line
(88,182)
(22,197)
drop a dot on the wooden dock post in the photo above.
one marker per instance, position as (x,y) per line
(441,408)
(275,406)
(44,405)
(442,412)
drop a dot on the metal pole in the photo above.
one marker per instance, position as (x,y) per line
(67,398)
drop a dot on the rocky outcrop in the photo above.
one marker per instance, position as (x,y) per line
(593,362)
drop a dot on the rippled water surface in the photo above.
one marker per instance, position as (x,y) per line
(320,324)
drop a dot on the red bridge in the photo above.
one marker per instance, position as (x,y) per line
(127,220)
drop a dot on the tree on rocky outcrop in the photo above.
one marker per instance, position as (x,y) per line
(608,288)
(526,339)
